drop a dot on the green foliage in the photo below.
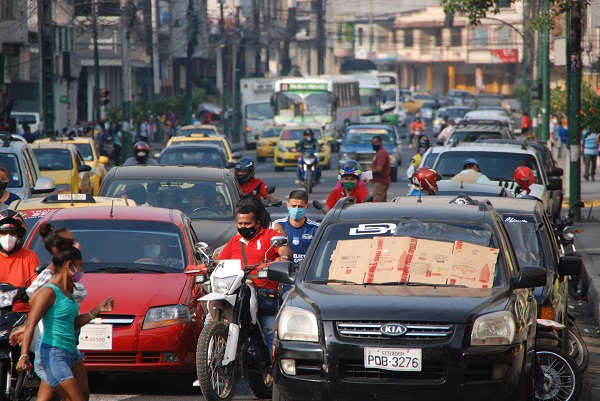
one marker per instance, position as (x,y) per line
(523,94)
(348,32)
(558,100)
(141,109)
(590,109)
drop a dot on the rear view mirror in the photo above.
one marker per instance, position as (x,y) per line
(278,241)
(554,184)
(44,185)
(570,265)
(531,276)
(271,189)
(236,155)
(317,205)
(280,272)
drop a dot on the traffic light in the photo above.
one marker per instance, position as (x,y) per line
(104,97)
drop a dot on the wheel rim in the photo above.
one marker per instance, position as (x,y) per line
(221,377)
(574,349)
(559,379)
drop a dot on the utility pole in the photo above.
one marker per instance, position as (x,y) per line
(155,55)
(575,14)
(191,44)
(127,20)
(223,53)
(96,100)
(290,32)
(47,65)
(545,55)
(256,35)
(320,37)
(236,76)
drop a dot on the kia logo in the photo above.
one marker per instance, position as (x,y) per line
(393,329)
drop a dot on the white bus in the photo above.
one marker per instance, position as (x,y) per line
(370,98)
(325,101)
(390,96)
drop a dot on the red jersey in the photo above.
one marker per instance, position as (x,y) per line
(256,187)
(17,268)
(359,193)
(255,253)
(526,122)
(382,158)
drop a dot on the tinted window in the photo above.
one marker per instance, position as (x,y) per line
(525,239)
(271,133)
(259,111)
(86,151)
(297,134)
(54,159)
(472,136)
(355,136)
(183,155)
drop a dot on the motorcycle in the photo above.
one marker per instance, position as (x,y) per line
(232,341)
(308,163)
(416,135)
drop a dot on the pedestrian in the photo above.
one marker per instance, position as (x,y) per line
(117,145)
(29,137)
(526,122)
(381,170)
(563,135)
(145,129)
(445,133)
(590,141)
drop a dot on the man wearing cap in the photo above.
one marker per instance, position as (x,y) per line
(471,173)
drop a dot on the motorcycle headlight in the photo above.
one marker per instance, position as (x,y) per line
(7,298)
(297,324)
(568,233)
(310,160)
(222,285)
(497,328)
(162,316)
(281,148)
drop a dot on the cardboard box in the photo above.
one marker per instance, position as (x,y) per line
(431,262)
(473,265)
(349,260)
(390,259)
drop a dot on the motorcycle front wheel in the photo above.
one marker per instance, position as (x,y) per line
(561,379)
(217,382)
(308,182)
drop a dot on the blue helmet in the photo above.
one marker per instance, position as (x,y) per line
(244,170)
(351,167)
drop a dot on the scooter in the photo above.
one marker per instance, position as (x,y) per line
(308,163)
(232,342)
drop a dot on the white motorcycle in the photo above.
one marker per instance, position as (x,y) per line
(232,341)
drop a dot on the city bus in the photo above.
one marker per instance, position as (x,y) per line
(326,101)
(390,96)
(370,98)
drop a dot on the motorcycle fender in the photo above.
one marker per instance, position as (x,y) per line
(253,305)
(232,343)
(213,296)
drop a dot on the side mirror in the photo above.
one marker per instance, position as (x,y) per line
(280,272)
(271,189)
(200,273)
(40,268)
(368,199)
(531,276)
(84,168)
(554,184)
(578,204)
(570,265)
(274,204)
(230,165)
(278,241)
(44,185)
(317,205)
(237,155)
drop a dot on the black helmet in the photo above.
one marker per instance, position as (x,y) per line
(12,221)
(308,131)
(424,142)
(141,151)
(244,170)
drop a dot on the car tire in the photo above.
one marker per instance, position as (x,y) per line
(261,385)
(394,174)
(278,168)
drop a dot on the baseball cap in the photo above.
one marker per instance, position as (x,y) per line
(469,162)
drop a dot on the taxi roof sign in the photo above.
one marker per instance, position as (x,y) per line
(73,198)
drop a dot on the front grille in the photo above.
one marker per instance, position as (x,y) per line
(121,358)
(115,320)
(415,331)
(354,369)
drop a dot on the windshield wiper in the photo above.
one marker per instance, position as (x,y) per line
(114,269)
(333,280)
(417,284)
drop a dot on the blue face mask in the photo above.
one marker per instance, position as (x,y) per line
(297,213)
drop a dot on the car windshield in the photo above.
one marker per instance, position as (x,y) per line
(524,236)
(217,143)
(193,156)
(465,136)
(297,134)
(86,151)
(405,251)
(203,200)
(355,136)
(259,111)
(271,133)
(498,110)
(10,162)
(123,246)
(428,105)
(206,132)
(454,113)
(54,159)
(497,166)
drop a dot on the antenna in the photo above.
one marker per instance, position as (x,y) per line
(112,206)
(420,192)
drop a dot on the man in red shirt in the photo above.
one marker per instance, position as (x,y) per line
(249,184)
(350,175)
(416,129)
(381,170)
(526,122)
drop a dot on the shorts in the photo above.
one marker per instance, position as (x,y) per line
(54,365)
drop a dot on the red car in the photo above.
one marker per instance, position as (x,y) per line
(137,255)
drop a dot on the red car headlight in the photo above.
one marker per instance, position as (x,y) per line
(162,316)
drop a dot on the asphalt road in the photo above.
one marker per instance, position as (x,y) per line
(149,387)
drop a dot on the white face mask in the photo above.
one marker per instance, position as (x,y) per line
(151,250)
(8,242)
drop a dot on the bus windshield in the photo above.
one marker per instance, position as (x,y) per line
(315,103)
(369,101)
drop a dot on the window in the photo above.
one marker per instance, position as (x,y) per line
(8,10)
(455,37)
(437,33)
(504,36)
(360,36)
(502,3)
(408,38)
(479,37)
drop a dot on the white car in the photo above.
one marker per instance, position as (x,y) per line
(489,115)
(454,113)
(402,118)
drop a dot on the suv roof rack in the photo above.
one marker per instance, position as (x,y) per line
(482,122)
(7,137)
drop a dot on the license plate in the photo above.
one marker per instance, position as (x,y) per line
(399,359)
(96,337)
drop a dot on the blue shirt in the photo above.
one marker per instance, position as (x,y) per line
(11,198)
(563,134)
(299,238)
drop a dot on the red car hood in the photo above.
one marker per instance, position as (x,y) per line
(135,293)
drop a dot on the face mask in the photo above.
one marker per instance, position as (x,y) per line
(349,186)
(297,213)
(151,250)
(3,186)
(77,276)
(309,138)
(376,147)
(422,150)
(8,242)
(247,232)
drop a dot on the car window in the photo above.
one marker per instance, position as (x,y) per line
(207,157)
(354,235)
(297,134)
(204,200)
(356,136)
(30,167)
(53,159)
(525,239)
(430,159)
(10,162)
(126,241)
(464,136)
(86,151)
(259,111)
(454,113)
(271,133)
(497,166)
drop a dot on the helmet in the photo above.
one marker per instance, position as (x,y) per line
(12,221)
(141,151)
(524,176)
(244,170)
(308,131)
(351,167)
(424,142)
(426,178)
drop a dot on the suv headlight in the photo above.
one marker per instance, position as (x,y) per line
(496,328)
(221,285)
(297,324)
(162,316)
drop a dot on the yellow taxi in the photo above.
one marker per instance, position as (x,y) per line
(88,151)
(206,129)
(34,209)
(199,138)
(412,105)
(265,146)
(284,155)
(64,164)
